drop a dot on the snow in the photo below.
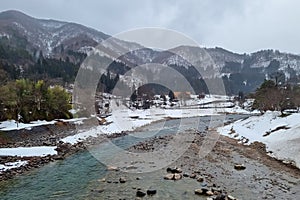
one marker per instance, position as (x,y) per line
(12,124)
(28,151)
(74,120)
(177,60)
(11,165)
(283,143)
(51,24)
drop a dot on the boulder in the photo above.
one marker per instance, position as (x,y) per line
(199,192)
(239,167)
(112,168)
(102,180)
(151,191)
(122,180)
(221,197)
(229,197)
(193,175)
(204,189)
(200,179)
(169,176)
(173,177)
(209,193)
(177,177)
(174,170)
(204,184)
(186,175)
(216,190)
(140,193)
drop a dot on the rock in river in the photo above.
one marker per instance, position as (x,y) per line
(122,180)
(112,168)
(231,197)
(193,175)
(140,193)
(174,170)
(173,177)
(200,179)
(177,177)
(151,191)
(169,176)
(239,167)
(199,191)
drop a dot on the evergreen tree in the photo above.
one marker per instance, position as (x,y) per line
(271,96)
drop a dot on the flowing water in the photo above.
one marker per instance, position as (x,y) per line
(76,176)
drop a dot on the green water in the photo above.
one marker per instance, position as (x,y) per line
(67,179)
(74,177)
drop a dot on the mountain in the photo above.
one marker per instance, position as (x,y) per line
(50,36)
(25,40)
(46,35)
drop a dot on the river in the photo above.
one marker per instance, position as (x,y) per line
(75,176)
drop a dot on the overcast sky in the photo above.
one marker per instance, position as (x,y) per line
(237,25)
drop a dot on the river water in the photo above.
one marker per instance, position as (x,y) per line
(76,176)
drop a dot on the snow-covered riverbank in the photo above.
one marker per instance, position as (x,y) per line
(280,134)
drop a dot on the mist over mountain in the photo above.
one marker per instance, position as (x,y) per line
(37,46)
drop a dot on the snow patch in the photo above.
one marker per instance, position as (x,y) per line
(11,165)
(13,125)
(29,151)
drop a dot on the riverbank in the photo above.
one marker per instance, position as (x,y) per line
(280,133)
(230,169)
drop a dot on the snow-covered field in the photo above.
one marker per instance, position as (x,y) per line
(280,134)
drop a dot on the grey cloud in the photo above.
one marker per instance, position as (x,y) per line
(237,25)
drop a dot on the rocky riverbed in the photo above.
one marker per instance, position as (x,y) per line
(229,171)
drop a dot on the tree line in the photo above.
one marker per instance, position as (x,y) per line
(24,100)
(272,96)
